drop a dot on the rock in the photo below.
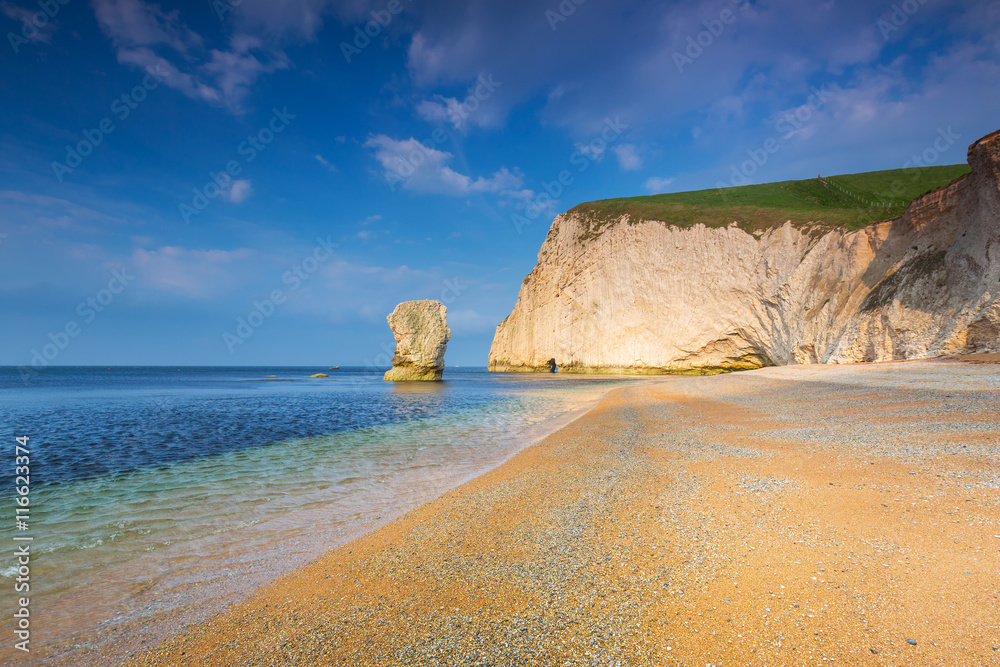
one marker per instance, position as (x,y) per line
(422,334)
(643,296)
(911,642)
(319,375)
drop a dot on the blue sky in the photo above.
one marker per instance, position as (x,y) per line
(260,182)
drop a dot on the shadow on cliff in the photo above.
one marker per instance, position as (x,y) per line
(937,246)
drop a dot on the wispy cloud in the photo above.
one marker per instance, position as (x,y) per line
(440,109)
(133,23)
(52,212)
(474,109)
(144,35)
(323,161)
(24,16)
(423,169)
(198,274)
(656,184)
(628,157)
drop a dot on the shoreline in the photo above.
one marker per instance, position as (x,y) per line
(153,612)
(781,515)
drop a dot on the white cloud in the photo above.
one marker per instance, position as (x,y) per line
(22,16)
(441,109)
(474,109)
(173,77)
(141,31)
(236,71)
(756,67)
(326,163)
(370,229)
(628,157)
(422,169)
(656,184)
(132,23)
(238,191)
(192,273)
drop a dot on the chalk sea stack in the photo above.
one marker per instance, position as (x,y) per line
(422,334)
(901,264)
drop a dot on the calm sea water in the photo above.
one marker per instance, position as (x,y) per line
(160,494)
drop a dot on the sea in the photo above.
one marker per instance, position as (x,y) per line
(158,495)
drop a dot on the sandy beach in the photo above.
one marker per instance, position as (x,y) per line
(788,516)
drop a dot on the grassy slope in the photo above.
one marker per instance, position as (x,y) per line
(852,201)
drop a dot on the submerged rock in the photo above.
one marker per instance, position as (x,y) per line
(422,334)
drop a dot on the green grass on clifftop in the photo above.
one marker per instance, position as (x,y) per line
(853,201)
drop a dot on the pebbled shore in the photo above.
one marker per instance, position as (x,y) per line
(789,516)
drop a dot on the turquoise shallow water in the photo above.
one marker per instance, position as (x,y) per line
(159,495)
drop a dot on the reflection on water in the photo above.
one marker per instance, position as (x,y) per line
(420,389)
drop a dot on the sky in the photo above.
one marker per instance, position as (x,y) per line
(260,182)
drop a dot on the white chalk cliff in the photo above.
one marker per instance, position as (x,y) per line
(648,297)
(422,334)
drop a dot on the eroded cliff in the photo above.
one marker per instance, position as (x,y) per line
(646,296)
(422,334)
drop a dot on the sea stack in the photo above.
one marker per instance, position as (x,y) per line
(422,335)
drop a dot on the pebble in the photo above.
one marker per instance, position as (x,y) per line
(567,561)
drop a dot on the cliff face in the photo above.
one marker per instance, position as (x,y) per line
(650,297)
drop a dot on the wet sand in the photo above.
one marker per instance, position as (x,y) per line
(788,516)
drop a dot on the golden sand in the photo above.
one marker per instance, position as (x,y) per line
(793,516)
